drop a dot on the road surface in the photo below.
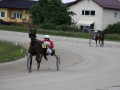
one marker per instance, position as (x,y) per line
(82,67)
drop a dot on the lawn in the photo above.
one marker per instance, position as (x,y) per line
(10,51)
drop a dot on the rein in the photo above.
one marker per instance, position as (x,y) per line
(33,46)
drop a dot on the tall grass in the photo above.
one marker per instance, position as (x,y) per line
(10,51)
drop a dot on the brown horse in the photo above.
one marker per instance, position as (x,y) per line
(35,49)
(99,37)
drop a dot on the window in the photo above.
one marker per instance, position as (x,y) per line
(2,14)
(82,12)
(88,0)
(18,15)
(88,12)
(93,13)
(115,14)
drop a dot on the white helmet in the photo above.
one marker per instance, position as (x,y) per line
(95,30)
(46,36)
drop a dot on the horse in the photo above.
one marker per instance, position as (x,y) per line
(36,49)
(99,37)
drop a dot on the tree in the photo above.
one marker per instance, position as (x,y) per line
(51,11)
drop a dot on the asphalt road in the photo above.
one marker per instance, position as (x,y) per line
(82,67)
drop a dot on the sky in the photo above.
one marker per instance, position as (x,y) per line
(65,1)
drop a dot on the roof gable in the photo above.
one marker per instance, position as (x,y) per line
(112,4)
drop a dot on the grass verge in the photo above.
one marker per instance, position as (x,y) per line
(18,28)
(10,51)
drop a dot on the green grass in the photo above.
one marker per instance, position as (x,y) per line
(10,51)
(113,37)
(63,33)
(18,28)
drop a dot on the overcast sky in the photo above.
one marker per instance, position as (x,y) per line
(65,1)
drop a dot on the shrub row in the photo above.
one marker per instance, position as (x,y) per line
(113,28)
(50,26)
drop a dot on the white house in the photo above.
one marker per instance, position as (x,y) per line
(95,14)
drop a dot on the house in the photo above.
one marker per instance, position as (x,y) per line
(95,14)
(16,10)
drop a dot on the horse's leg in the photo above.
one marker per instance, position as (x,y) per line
(30,63)
(100,42)
(103,43)
(96,39)
(96,42)
(45,57)
(38,59)
(44,53)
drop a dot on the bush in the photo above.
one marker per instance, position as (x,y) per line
(67,28)
(113,29)
(47,26)
(50,26)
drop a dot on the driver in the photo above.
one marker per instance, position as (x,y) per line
(95,33)
(50,45)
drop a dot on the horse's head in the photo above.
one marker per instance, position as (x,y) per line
(32,33)
(101,35)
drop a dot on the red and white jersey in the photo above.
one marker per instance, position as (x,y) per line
(49,42)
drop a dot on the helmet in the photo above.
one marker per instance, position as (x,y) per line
(95,30)
(46,36)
